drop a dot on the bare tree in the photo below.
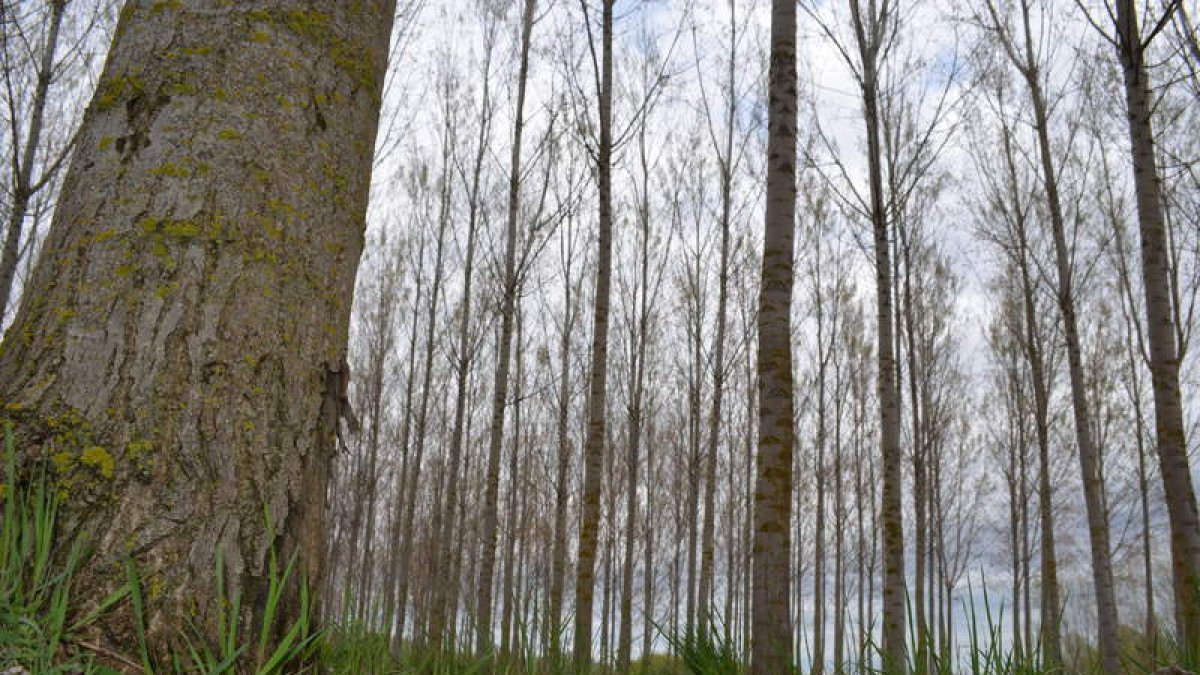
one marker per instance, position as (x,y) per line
(771,650)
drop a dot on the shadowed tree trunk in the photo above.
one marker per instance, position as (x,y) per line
(182,343)
(771,642)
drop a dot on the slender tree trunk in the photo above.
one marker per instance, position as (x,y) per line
(381,346)
(693,467)
(650,623)
(1144,499)
(919,449)
(585,573)
(641,308)
(145,317)
(464,356)
(507,301)
(771,651)
(23,188)
(515,490)
(1089,463)
(1164,350)
(1051,608)
(558,558)
(818,628)
(870,34)
(839,512)
(725,160)
(397,546)
(422,428)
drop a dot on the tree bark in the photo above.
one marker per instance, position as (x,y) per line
(186,324)
(1164,350)
(771,648)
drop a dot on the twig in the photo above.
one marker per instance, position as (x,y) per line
(104,651)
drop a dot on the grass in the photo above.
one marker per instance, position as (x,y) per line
(39,627)
(43,628)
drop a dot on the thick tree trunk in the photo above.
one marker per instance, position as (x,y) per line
(1164,354)
(771,648)
(181,347)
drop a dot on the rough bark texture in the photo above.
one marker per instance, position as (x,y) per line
(177,358)
(1164,356)
(771,641)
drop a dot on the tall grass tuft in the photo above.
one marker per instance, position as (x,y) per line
(40,628)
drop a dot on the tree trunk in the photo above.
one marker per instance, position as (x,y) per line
(558,556)
(771,649)
(1164,357)
(637,372)
(396,546)
(725,161)
(23,188)
(1089,464)
(422,425)
(500,386)
(188,316)
(870,33)
(585,573)
(818,627)
(464,356)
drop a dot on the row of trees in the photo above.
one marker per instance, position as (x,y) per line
(918,439)
(940,341)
